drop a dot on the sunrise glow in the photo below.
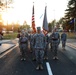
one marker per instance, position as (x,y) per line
(22,11)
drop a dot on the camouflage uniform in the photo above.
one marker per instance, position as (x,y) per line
(55,41)
(46,47)
(63,39)
(23,44)
(51,42)
(39,45)
(32,47)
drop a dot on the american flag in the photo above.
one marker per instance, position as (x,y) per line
(33,20)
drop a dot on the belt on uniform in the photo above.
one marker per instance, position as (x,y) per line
(23,42)
(55,39)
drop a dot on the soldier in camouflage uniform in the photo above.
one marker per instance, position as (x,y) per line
(39,45)
(51,41)
(63,39)
(31,45)
(55,41)
(46,47)
(23,44)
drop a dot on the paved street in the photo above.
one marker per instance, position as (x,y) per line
(33,25)
(10,63)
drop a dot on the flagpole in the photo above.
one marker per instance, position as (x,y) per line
(33,19)
(33,3)
(75,26)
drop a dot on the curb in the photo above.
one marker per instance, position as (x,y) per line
(7,49)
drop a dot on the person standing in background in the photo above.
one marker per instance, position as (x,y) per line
(46,47)
(63,39)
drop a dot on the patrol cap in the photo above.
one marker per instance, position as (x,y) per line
(38,28)
(55,29)
(22,34)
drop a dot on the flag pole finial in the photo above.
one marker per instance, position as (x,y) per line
(45,4)
(33,2)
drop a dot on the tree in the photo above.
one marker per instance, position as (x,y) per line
(25,26)
(50,27)
(1,24)
(70,13)
(1,4)
(4,4)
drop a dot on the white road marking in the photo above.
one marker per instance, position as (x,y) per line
(49,68)
(2,55)
(71,45)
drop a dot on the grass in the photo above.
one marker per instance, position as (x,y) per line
(10,35)
(70,35)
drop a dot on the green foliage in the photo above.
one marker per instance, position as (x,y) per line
(50,27)
(70,14)
(26,27)
(71,35)
(10,36)
(4,4)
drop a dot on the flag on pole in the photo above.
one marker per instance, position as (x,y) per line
(33,20)
(45,23)
(72,21)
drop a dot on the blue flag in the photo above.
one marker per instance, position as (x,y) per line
(72,21)
(45,23)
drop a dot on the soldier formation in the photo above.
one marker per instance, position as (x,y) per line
(39,44)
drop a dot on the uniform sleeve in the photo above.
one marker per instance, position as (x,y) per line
(33,40)
(45,41)
(50,38)
(59,38)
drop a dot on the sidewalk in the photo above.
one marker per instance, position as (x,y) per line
(4,41)
(71,43)
(6,45)
(71,40)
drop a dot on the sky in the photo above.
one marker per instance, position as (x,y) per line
(22,11)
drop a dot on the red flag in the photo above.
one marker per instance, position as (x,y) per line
(33,21)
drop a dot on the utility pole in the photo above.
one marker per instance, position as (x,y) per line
(75,26)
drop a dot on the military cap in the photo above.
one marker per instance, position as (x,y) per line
(38,28)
